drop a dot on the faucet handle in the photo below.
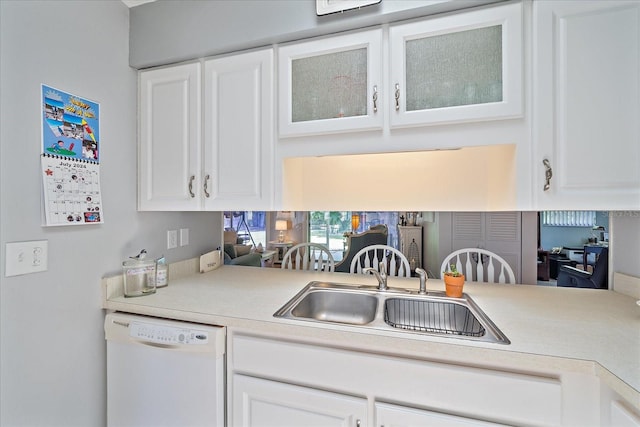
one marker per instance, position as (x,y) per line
(382,268)
(423,280)
(380,276)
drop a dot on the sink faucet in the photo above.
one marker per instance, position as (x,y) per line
(381,276)
(423,280)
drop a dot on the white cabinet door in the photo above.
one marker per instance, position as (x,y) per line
(331,84)
(514,398)
(586,104)
(258,402)
(402,416)
(459,68)
(238,147)
(169,147)
(621,415)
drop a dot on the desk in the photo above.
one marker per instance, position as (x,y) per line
(555,261)
(543,265)
(282,248)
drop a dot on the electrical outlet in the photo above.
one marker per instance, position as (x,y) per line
(26,257)
(184,236)
(172,239)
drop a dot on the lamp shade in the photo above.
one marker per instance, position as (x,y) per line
(281,226)
(355,222)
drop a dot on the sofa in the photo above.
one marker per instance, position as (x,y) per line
(376,235)
(576,278)
(236,253)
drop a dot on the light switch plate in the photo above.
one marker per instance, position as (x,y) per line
(26,257)
(184,236)
(172,239)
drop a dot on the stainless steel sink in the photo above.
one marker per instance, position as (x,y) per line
(393,309)
(426,315)
(340,307)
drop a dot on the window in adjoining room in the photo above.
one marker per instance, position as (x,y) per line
(329,227)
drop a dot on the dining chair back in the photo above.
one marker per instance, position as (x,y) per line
(308,256)
(480,265)
(371,257)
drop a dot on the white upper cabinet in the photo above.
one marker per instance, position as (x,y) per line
(459,68)
(463,67)
(169,148)
(331,84)
(586,136)
(232,166)
(238,121)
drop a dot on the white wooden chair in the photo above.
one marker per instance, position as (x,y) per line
(371,256)
(308,256)
(480,265)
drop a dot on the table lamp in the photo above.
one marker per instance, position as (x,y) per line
(281,226)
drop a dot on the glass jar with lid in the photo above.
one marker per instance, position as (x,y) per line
(139,276)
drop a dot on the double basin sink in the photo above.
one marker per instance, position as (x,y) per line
(433,313)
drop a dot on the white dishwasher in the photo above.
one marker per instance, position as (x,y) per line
(163,372)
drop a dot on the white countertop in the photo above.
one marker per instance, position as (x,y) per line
(567,329)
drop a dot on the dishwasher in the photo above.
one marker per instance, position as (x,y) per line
(163,372)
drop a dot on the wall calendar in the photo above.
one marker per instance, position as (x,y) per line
(70,159)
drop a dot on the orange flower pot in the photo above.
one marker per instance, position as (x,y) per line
(453,285)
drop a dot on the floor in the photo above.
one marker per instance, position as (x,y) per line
(550,282)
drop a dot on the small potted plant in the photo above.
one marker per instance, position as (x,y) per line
(453,282)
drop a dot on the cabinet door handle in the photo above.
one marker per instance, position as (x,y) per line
(548,173)
(397,96)
(375,99)
(206,186)
(357,423)
(191,186)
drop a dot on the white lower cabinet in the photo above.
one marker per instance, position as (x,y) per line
(388,415)
(616,412)
(623,416)
(280,382)
(260,402)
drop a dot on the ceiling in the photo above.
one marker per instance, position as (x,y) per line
(132,3)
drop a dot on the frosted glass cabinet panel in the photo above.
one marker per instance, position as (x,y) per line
(454,69)
(463,67)
(331,84)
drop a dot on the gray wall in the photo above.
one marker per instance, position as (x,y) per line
(170,31)
(625,243)
(52,347)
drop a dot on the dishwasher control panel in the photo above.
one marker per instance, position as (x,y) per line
(169,335)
